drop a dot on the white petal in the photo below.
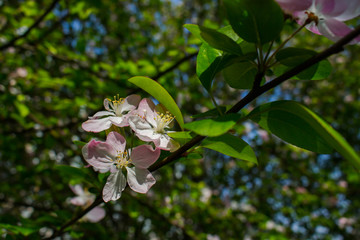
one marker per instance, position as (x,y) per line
(140,180)
(114,186)
(97,125)
(95,214)
(143,129)
(164,142)
(147,109)
(78,201)
(144,156)
(102,114)
(108,104)
(119,121)
(77,189)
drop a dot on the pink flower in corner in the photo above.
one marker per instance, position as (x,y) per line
(84,198)
(112,156)
(117,113)
(151,126)
(328,15)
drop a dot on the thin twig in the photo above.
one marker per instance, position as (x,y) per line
(34,25)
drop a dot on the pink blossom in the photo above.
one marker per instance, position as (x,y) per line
(327,15)
(112,156)
(117,113)
(84,198)
(151,126)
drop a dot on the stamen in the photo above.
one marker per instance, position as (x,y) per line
(118,100)
(163,121)
(122,159)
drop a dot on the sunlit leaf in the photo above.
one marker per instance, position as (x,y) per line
(232,146)
(160,94)
(214,126)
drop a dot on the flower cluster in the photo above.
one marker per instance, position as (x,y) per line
(115,155)
(327,16)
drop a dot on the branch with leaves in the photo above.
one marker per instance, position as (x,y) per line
(13,41)
(252,95)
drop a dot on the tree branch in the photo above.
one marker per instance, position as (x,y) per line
(34,25)
(253,94)
(178,63)
(57,233)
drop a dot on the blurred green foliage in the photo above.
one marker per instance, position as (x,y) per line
(84,51)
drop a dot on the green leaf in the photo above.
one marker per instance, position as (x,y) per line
(79,143)
(76,175)
(22,108)
(184,135)
(215,126)
(220,41)
(240,75)
(209,62)
(256,21)
(228,31)
(291,57)
(296,124)
(158,92)
(194,29)
(232,146)
(26,231)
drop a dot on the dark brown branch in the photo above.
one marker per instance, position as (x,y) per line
(34,25)
(252,95)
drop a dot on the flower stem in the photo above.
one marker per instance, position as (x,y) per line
(215,104)
(284,42)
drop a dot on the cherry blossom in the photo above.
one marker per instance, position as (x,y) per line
(327,15)
(113,156)
(117,113)
(84,198)
(152,126)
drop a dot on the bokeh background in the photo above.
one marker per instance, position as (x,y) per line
(57,73)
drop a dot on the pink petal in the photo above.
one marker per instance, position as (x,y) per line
(130,103)
(99,154)
(95,214)
(144,156)
(335,30)
(97,125)
(313,28)
(140,180)
(294,5)
(114,186)
(116,140)
(341,10)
